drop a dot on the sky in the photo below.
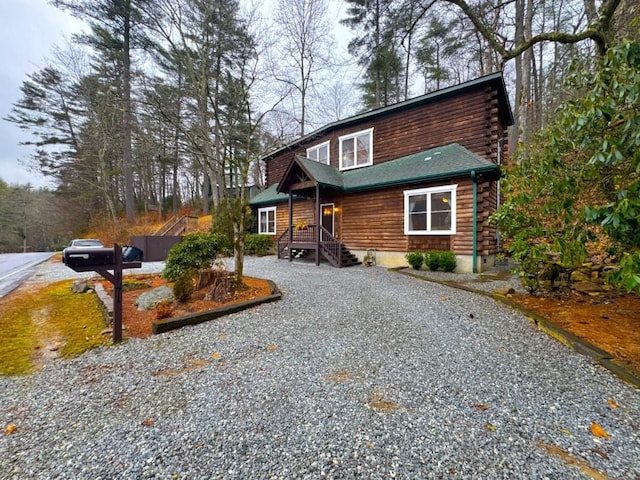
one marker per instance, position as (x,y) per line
(28,31)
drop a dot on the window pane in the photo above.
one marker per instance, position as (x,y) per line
(418,222)
(348,153)
(323,154)
(418,203)
(363,149)
(271,221)
(263,222)
(441,221)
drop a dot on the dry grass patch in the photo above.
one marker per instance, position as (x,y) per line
(47,322)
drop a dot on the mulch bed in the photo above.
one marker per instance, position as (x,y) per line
(138,323)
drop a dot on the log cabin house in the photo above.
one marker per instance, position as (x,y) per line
(414,176)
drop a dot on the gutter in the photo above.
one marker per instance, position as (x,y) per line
(474,223)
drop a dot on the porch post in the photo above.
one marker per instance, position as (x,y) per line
(318,224)
(290,224)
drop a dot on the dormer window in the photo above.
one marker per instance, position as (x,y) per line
(356,149)
(319,153)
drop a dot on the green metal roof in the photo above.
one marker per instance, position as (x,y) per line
(325,175)
(269,197)
(446,162)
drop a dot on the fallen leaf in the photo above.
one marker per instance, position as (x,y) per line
(598,431)
(148,422)
(272,348)
(222,336)
(566,432)
(490,427)
(612,403)
(215,355)
(481,406)
(443,298)
(11,428)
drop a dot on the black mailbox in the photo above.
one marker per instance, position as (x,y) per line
(86,257)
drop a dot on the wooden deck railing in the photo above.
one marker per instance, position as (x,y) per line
(330,247)
(175,226)
(305,236)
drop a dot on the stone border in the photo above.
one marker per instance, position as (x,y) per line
(605,359)
(168,324)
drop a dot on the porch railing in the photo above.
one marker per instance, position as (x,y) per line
(301,236)
(331,247)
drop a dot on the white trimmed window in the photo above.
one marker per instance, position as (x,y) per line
(430,211)
(356,149)
(267,220)
(319,153)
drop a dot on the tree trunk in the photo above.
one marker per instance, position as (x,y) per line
(126,118)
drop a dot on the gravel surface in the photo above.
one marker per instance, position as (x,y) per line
(355,373)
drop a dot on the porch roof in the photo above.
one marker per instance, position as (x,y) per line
(441,163)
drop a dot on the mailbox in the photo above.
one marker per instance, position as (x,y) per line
(86,257)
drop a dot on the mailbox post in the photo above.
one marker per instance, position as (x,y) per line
(101,260)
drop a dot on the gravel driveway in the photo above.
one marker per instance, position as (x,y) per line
(356,373)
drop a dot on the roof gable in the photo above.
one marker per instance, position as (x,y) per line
(494,80)
(441,163)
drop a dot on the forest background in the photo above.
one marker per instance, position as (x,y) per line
(165,106)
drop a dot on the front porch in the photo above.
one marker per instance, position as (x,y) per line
(295,242)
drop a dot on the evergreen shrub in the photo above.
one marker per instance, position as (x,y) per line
(415,259)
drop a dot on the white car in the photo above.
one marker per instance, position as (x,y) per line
(85,243)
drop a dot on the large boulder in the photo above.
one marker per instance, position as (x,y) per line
(149,300)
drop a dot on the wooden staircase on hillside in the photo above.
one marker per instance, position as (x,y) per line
(176,226)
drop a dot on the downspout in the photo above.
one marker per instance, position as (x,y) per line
(290,224)
(474,223)
(498,236)
(318,224)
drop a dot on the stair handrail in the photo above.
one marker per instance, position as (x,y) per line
(283,242)
(166,226)
(331,247)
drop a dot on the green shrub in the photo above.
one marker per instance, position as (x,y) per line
(415,259)
(432,259)
(184,287)
(440,259)
(257,244)
(195,252)
(448,261)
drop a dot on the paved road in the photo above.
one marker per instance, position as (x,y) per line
(15,268)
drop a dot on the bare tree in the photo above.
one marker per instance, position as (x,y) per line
(304,49)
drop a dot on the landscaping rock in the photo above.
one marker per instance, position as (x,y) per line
(588,287)
(148,300)
(79,286)
(505,291)
(549,272)
(580,276)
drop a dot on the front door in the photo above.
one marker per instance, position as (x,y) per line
(327,218)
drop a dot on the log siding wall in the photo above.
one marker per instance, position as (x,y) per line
(375,219)
(470,119)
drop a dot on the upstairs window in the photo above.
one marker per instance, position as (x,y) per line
(267,220)
(319,153)
(356,150)
(430,211)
